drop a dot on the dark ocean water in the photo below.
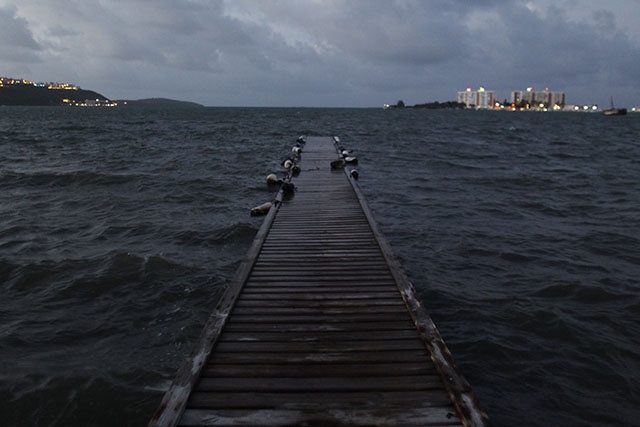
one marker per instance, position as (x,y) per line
(119,229)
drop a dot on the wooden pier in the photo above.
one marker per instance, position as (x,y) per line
(320,326)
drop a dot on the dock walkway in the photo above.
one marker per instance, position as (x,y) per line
(320,326)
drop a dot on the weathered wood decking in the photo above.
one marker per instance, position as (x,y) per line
(320,326)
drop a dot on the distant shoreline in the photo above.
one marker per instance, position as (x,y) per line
(158,103)
(26,93)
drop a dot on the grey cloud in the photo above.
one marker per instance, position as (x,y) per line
(16,40)
(379,32)
(339,52)
(605,21)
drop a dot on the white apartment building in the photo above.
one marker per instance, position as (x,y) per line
(480,98)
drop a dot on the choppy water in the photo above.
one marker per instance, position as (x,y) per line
(120,228)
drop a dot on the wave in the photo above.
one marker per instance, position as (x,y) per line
(62,179)
(581,292)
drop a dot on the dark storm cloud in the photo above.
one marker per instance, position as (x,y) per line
(325,52)
(16,41)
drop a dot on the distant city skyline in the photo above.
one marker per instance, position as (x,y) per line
(528,98)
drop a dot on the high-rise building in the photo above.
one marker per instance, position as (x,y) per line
(537,99)
(480,98)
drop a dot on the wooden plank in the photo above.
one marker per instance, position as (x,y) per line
(315,346)
(326,416)
(387,356)
(318,336)
(327,370)
(251,399)
(339,320)
(304,305)
(299,296)
(330,253)
(319,266)
(319,278)
(316,288)
(320,384)
(315,328)
(309,310)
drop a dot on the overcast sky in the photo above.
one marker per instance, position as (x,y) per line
(353,53)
